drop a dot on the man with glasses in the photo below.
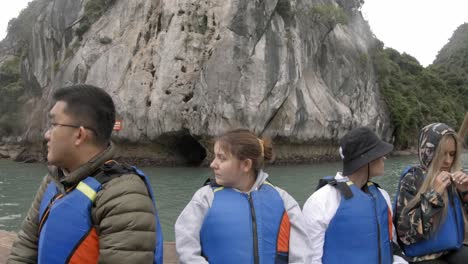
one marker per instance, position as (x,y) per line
(88,209)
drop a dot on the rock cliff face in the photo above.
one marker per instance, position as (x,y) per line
(182,71)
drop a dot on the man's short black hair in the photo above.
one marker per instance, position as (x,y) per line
(91,107)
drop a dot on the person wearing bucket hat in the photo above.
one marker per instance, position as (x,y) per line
(431,200)
(360,147)
(348,207)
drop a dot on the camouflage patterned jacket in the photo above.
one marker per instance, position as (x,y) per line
(415,224)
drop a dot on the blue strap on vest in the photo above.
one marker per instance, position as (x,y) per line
(228,232)
(358,233)
(158,252)
(49,194)
(395,199)
(450,233)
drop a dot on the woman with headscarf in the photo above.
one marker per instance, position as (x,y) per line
(430,200)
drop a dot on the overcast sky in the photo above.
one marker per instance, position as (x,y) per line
(8,10)
(418,27)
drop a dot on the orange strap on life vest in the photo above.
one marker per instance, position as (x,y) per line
(390,224)
(283,234)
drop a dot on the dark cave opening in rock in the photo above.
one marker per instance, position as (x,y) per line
(192,151)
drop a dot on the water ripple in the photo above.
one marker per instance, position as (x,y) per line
(10,217)
(9,204)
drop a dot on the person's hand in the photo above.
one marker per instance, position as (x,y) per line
(461,181)
(442,181)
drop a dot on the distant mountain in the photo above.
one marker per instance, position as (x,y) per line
(417,96)
(452,64)
(453,57)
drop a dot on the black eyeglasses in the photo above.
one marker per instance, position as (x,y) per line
(53,125)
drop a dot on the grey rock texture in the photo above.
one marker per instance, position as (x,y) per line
(183,71)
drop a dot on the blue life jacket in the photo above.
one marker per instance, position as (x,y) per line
(246,228)
(450,233)
(67,233)
(360,232)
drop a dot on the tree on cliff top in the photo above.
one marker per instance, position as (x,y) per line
(328,15)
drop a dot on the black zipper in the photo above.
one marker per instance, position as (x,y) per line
(254,229)
(378,227)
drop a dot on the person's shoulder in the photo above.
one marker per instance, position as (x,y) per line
(325,191)
(285,196)
(323,196)
(124,193)
(415,176)
(414,171)
(384,193)
(124,184)
(204,195)
(125,177)
(382,190)
(206,189)
(322,204)
(47,179)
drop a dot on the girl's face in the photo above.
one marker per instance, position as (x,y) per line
(229,171)
(449,152)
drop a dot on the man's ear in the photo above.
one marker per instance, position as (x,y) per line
(81,136)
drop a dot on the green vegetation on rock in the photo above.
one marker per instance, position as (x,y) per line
(93,10)
(329,14)
(451,64)
(11,89)
(416,96)
(105,40)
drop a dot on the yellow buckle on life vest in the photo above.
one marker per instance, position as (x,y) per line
(86,190)
(218,189)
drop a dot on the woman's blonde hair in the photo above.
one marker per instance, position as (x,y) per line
(432,172)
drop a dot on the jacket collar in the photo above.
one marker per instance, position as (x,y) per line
(261,178)
(84,170)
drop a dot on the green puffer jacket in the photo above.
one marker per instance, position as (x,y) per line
(123,216)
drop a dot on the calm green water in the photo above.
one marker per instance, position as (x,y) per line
(174,186)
